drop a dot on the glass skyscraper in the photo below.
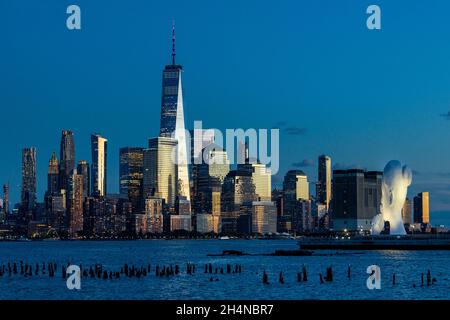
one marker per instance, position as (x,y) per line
(131,174)
(28,194)
(53,175)
(160,174)
(172,119)
(323,189)
(83,169)
(67,158)
(98,167)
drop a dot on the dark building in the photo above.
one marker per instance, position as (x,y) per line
(66,158)
(238,192)
(208,179)
(53,175)
(28,194)
(6,199)
(295,188)
(356,199)
(75,200)
(422,208)
(131,172)
(83,169)
(407,212)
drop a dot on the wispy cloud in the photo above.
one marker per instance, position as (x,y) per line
(295,131)
(304,163)
(446,116)
(280,124)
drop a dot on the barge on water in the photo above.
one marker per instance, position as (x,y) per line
(409,242)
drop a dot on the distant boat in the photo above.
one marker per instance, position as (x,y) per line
(224,238)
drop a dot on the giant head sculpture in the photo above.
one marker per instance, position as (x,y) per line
(394,187)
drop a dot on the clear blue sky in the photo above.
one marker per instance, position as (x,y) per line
(363,97)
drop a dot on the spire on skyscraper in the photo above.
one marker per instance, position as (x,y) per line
(173,42)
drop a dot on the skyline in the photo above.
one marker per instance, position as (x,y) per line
(301,141)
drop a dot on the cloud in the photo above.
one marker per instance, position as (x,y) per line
(295,131)
(280,124)
(446,116)
(304,163)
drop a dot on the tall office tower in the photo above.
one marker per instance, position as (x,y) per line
(208,181)
(76,199)
(422,208)
(295,188)
(98,168)
(66,158)
(200,139)
(28,194)
(324,181)
(153,214)
(6,199)
(264,217)
(56,206)
(407,212)
(83,169)
(356,198)
(172,119)
(160,172)
(53,175)
(238,192)
(262,179)
(131,172)
(302,220)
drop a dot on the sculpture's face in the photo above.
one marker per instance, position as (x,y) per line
(396,180)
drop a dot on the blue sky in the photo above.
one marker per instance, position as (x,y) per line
(363,97)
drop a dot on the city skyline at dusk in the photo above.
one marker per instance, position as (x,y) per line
(301,84)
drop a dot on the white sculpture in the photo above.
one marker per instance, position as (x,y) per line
(394,187)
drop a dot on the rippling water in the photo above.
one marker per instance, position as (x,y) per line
(407,265)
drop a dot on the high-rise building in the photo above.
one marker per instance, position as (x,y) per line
(172,119)
(201,140)
(238,192)
(131,172)
(208,181)
(261,177)
(76,199)
(57,210)
(324,180)
(153,213)
(302,219)
(99,164)
(66,158)
(356,199)
(53,175)
(28,194)
(6,199)
(422,208)
(295,188)
(83,169)
(264,217)
(407,212)
(160,174)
